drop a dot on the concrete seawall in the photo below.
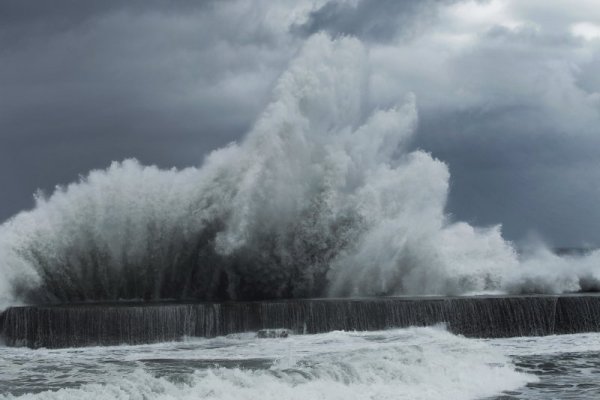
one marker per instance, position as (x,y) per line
(136,323)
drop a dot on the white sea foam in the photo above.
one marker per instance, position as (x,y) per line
(545,272)
(319,198)
(418,363)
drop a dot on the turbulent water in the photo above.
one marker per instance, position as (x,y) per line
(322,197)
(415,363)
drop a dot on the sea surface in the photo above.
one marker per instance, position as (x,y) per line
(414,363)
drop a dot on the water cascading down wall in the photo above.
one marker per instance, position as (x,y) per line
(479,316)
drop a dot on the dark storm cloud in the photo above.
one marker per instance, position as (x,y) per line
(84,83)
(18,12)
(526,153)
(511,166)
(377,20)
(28,19)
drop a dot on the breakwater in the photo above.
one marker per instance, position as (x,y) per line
(136,323)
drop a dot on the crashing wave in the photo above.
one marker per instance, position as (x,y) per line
(318,199)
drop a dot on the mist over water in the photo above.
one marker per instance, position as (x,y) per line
(320,198)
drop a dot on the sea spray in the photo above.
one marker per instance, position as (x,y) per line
(320,198)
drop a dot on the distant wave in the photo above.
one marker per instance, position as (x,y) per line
(318,199)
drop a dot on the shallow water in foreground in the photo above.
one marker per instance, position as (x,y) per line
(414,363)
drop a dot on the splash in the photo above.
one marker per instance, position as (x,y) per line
(542,271)
(318,199)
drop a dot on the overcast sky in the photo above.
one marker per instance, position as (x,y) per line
(508,92)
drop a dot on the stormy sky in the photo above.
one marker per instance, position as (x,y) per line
(508,92)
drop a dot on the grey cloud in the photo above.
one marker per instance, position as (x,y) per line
(515,112)
(531,36)
(94,82)
(523,149)
(556,16)
(378,20)
(511,166)
(23,22)
(20,12)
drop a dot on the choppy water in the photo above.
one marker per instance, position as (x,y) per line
(415,363)
(567,366)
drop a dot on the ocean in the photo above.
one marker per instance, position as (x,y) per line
(412,363)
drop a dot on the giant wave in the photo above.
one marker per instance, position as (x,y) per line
(321,198)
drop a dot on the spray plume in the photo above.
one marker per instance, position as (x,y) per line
(318,199)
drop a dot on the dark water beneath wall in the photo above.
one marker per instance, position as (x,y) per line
(477,316)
